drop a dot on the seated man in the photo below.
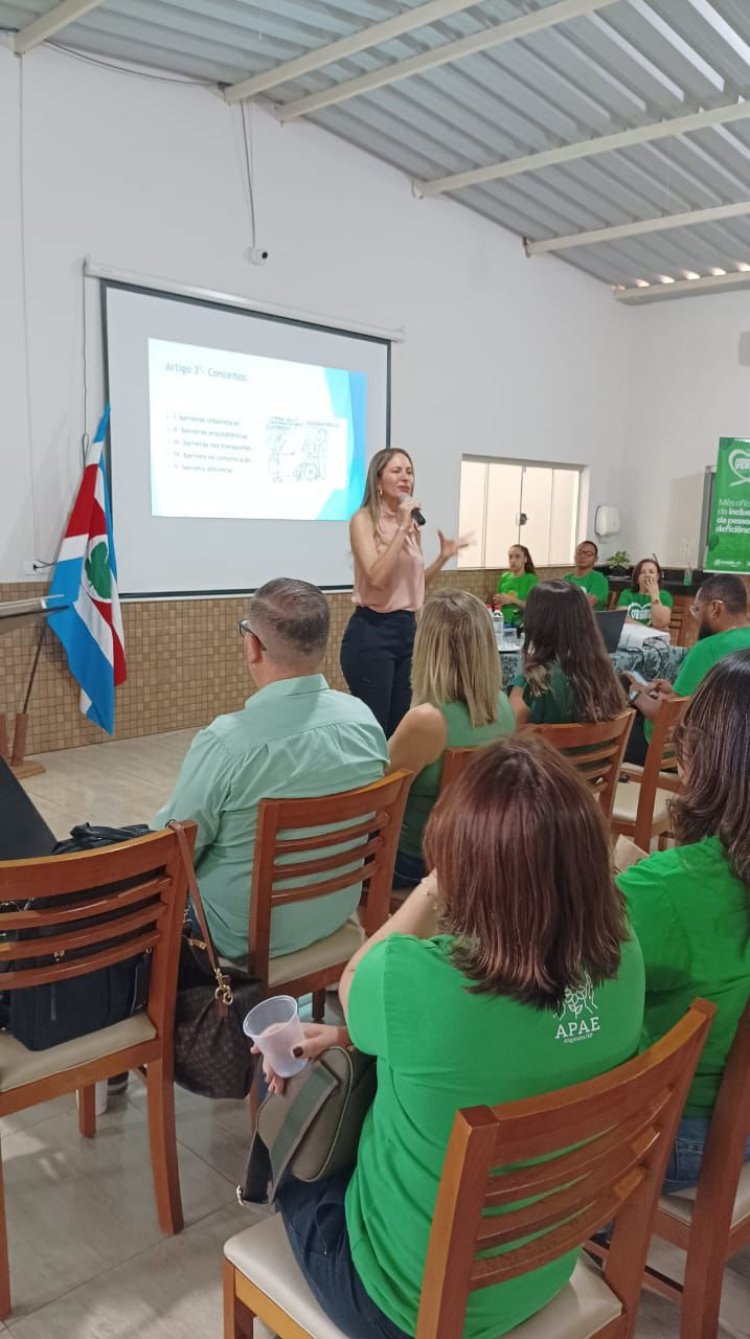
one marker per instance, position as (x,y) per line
(295,737)
(720,611)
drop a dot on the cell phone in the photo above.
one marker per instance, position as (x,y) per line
(638,678)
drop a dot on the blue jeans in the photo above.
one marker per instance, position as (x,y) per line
(315,1224)
(686,1158)
(408,871)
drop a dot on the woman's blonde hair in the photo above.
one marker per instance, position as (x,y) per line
(455,656)
(371,501)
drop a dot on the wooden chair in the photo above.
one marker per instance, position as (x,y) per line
(641,804)
(143,913)
(617,1130)
(454,761)
(712,1222)
(369,820)
(596,751)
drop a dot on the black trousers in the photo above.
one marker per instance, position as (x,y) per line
(376,662)
(637,748)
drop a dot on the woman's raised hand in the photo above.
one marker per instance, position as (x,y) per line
(450,547)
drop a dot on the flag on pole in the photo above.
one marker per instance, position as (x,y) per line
(90,629)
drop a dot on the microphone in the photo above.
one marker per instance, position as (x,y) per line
(418,517)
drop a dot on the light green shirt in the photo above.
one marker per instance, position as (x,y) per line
(692,918)
(440,1046)
(426,784)
(520,586)
(638,604)
(293,739)
(594,583)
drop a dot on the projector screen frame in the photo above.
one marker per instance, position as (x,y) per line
(223,302)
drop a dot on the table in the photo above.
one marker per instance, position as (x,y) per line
(656,659)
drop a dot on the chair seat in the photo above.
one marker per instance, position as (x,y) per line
(680,1205)
(263,1254)
(330,952)
(19,1065)
(626,803)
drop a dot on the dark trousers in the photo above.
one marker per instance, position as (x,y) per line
(376,662)
(637,748)
(315,1224)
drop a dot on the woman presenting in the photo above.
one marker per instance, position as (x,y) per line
(389,585)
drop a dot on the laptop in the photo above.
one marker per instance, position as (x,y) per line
(610,625)
(24,835)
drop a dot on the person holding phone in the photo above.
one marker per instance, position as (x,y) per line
(389,586)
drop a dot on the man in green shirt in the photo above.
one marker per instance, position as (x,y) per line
(593,584)
(295,737)
(720,610)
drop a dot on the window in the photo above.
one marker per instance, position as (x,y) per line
(506,502)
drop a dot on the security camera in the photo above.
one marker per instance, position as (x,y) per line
(257,254)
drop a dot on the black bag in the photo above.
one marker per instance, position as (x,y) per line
(44,1016)
(211,1052)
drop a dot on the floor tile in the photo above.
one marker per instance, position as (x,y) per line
(76,1207)
(170,1291)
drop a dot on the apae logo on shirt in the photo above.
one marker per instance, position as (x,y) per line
(640,613)
(578,1019)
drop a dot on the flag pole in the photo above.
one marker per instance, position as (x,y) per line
(20,765)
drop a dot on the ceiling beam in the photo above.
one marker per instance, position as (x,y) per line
(587,148)
(511,30)
(636,229)
(710,283)
(346,46)
(50,23)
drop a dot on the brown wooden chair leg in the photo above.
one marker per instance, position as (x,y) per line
(87,1111)
(318,1006)
(4,1266)
(238,1320)
(163,1145)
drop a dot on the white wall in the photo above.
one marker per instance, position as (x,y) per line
(502,356)
(688,390)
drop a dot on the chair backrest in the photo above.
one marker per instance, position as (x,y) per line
(605,1145)
(114,903)
(724,1153)
(358,847)
(454,761)
(596,751)
(660,759)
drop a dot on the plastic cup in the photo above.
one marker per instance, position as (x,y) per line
(275,1028)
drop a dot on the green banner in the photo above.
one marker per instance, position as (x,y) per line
(729,530)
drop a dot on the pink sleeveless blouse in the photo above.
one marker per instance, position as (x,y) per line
(405,588)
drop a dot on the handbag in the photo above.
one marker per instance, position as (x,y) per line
(312,1129)
(211,1052)
(47,1015)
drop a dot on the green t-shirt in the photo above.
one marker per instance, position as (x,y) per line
(425,786)
(440,1047)
(638,604)
(553,707)
(510,584)
(692,917)
(701,658)
(594,583)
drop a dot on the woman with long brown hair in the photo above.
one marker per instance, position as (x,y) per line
(690,905)
(508,972)
(566,675)
(389,586)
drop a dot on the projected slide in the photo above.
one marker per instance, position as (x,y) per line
(237,436)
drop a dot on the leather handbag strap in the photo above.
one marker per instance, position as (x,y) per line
(223,986)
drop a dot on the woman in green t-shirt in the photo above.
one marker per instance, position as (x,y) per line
(690,906)
(457,702)
(458,1016)
(645,601)
(566,673)
(514,585)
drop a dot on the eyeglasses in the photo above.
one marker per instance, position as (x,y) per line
(247,631)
